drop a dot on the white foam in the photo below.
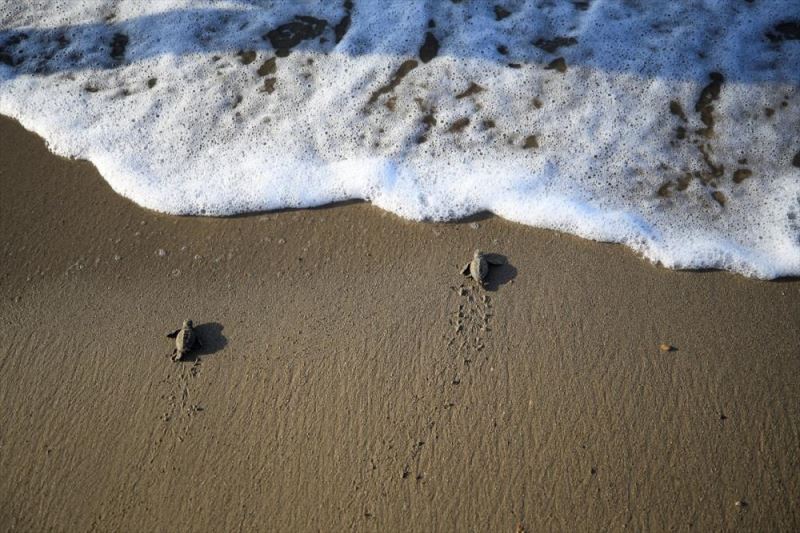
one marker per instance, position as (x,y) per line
(208,138)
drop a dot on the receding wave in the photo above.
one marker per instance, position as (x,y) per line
(671,127)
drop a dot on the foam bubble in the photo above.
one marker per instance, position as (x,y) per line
(670,127)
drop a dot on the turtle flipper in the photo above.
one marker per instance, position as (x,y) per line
(494,259)
(174,333)
(465,270)
(198,343)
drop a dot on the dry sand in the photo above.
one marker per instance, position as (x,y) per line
(336,391)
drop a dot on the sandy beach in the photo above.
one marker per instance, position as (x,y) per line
(352,379)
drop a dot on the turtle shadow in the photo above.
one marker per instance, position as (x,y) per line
(499,275)
(211,340)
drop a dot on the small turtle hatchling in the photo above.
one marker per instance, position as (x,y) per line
(185,340)
(478,268)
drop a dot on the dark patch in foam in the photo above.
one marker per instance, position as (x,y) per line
(796,160)
(429,49)
(665,190)
(684,181)
(7,56)
(268,67)
(119,42)
(704,106)
(428,119)
(473,88)
(530,142)
(784,31)
(715,171)
(246,56)
(269,85)
(741,174)
(500,12)
(551,45)
(559,64)
(152,83)
(342,27)
(63,41)
(676,109)
(401,72)
(287,36)
(459,125)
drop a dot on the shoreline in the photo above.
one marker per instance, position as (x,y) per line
(348,382)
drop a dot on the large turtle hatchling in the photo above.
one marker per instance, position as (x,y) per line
(185,340)
(478,268)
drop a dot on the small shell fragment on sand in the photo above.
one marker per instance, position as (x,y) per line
(664,347)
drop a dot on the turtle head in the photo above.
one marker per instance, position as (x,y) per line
(187,323)
(478,253)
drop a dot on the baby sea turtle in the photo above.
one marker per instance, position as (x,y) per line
(478,268)
(185,340)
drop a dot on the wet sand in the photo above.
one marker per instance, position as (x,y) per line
(347,383)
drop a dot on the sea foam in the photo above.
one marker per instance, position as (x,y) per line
(671,127)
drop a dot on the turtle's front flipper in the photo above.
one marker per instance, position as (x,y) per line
(173,334)
(465,270)
(198,343)
(494,259)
